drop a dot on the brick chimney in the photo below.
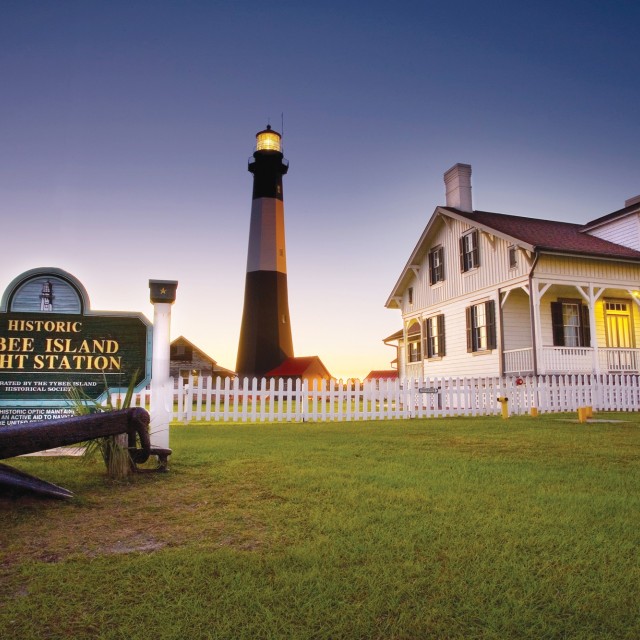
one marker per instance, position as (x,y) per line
(458,186)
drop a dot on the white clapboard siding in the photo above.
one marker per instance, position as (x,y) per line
(279,400)
(494,261)
(624,231)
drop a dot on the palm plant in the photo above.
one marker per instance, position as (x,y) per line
(113,449)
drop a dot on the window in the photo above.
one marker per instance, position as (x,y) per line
(436,265)
(414,351)
(481,326)
(513,257)
(434,331)
(410,295)
(413,337)
(469,253)
(194,373)
(570,319)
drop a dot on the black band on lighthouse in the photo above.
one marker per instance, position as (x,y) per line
(266,331)
(268,167)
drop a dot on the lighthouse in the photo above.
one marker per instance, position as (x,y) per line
(265,333)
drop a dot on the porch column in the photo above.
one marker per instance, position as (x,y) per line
(502,299)
(591,297)
(423,350)
(634,296)
(405,355)
(536,294)
(592,321)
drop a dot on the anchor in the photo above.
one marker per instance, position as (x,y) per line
(20,439)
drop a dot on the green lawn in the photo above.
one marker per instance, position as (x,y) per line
(441,528)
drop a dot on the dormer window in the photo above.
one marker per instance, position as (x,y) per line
(410,295)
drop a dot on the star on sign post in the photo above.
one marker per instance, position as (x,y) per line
(163,290)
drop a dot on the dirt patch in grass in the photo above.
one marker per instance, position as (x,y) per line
(139,544)
(146,515)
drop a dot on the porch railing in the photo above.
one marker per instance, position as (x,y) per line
(567,359)
(572,360)
(518,361)
(619,360)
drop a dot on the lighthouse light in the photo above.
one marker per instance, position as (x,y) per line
(268,141)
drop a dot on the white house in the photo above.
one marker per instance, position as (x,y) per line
(492,294)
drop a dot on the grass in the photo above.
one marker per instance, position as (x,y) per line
(448,528)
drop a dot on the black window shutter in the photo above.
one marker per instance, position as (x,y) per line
(431,267)
(441,252)
(558,325)
(490,310)
(441,350)
(468,312)
(585,326)
(476,249)
(462,254)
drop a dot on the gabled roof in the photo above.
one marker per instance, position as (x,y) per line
(547,235)
(394,336)
(533,234)
(295,367)
(182,340)
(413,330)
(620,213)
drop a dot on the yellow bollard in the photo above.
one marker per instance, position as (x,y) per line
(589,412)
(534,412)
(504,401)
(582,414)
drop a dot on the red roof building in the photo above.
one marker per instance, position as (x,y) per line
(381,374)
(303,368)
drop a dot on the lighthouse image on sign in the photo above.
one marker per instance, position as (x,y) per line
(265,333)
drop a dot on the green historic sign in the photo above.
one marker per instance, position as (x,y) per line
(50,342)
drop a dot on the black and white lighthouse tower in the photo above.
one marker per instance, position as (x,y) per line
(265,334)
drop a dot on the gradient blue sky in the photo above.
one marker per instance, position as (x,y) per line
(125,129)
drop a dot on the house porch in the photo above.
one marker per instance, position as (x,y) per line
(570,328)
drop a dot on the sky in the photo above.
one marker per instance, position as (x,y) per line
(125,130)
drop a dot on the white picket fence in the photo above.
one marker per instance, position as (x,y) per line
(279,400)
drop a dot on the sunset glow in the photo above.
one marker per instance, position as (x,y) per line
(126,130)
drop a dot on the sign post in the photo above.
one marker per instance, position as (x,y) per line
(163,295)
